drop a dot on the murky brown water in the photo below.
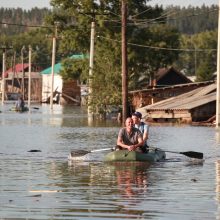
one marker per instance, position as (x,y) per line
(44,185)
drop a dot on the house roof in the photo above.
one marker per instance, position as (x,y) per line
(186,101)
(19,68)
(171,86)
(58,66)
(162,72)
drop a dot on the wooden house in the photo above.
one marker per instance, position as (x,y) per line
(17,80)
(167,82)
(196,105)
(149,96)
(167,77)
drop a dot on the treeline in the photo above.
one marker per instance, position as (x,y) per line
(188,20)
(192,20)
(15,21)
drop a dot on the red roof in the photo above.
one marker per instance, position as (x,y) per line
(19,68)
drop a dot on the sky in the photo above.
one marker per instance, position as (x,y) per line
(28,4)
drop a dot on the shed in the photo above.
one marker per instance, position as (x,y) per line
(196,105)
(140,98)
(18,75)
(65,92)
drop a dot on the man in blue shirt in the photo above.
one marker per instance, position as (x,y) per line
(144,128)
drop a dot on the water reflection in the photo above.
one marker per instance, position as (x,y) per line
(132,178)
(217,165)
(87,183)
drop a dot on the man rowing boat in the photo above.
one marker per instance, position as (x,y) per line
(129,137)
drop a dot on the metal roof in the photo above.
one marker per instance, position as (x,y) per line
(157,88)
(186,101)
(58,66)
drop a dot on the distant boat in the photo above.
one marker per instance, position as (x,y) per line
(24,109)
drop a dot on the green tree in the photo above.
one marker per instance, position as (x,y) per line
(200,52)
(205,71)
(41,47)
(193,20)
(75,20)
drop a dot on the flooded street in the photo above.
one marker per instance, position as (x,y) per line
(45,185)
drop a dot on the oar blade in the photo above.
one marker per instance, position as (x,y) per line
(79,153)
(193,154)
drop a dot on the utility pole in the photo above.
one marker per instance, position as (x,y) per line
(13,68)
(124,61)
(91,61)
(29,78)
(52,65)
(3,72)
(3,76)
(195,60)
(218,74)
(23,74)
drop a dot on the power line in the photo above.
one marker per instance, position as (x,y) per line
(137,22)
(143,12)
(160,48)
(152,21)
(162,16)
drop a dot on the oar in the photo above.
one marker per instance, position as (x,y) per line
(80,153)
(192,154)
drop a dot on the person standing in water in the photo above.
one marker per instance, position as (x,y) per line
(20,104)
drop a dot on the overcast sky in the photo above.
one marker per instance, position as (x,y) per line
(28,4)
(25,4)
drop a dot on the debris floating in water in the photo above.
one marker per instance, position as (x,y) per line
(34,151)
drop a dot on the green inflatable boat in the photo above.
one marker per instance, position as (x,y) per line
(153,155)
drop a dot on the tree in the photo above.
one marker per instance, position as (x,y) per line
(200,53)
(41,47)
(75,18)
(205,71)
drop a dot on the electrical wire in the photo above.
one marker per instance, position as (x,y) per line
(158,48)
(152,21)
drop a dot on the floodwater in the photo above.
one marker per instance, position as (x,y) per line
(45,185)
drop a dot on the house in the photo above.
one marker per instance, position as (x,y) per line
(149,96)
(167,77)
(65,92)
(196,105)
(17,80)
(167,82)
